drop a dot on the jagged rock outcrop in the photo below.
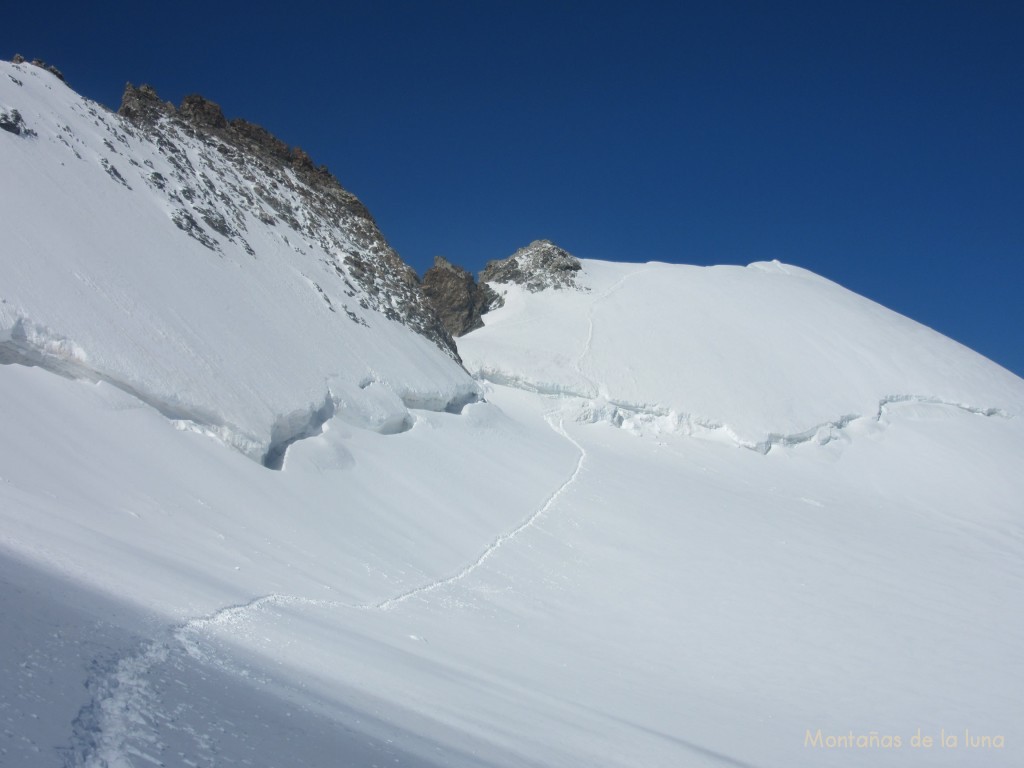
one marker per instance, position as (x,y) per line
(540,265)
(142,105)
(12,122)
(19,59)
(202,113)
(273,182)
(456,297)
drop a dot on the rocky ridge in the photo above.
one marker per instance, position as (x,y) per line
(538,266)
(241,171)
(223,177)
(460,301)
(12,122)
(19,59)
(456,297)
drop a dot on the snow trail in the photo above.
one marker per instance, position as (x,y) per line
(233,615)
(121,719)
(587,345)
(503,539)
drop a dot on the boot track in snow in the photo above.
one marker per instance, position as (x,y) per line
(121,719)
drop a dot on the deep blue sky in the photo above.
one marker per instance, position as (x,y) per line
(880,144)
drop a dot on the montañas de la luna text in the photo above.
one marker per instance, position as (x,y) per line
(877,740)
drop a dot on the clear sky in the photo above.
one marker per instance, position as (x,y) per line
(880,144)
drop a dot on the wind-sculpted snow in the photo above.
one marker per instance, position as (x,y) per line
(370,405)
(644,418)
(28,344)
(296,426)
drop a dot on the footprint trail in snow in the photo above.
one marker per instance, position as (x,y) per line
(124,716)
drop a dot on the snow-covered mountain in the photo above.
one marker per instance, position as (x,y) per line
(664,515)
(206,268)
(760,355)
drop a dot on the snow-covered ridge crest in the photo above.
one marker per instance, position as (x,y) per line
(763,356)
(212,272)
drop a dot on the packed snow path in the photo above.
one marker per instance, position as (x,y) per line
(495,545)
(122,717)
(589,343)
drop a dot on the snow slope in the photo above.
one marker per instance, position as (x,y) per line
(99,282)
(760,355)
(582,567)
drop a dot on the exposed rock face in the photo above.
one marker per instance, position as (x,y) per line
(456,297)
(19,59)
(42,65)
(243,171)
(12,122)
(540,265)
(142,105)
(202,113)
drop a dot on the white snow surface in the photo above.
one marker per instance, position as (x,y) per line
(98,282)
(764,354)
(584,568)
